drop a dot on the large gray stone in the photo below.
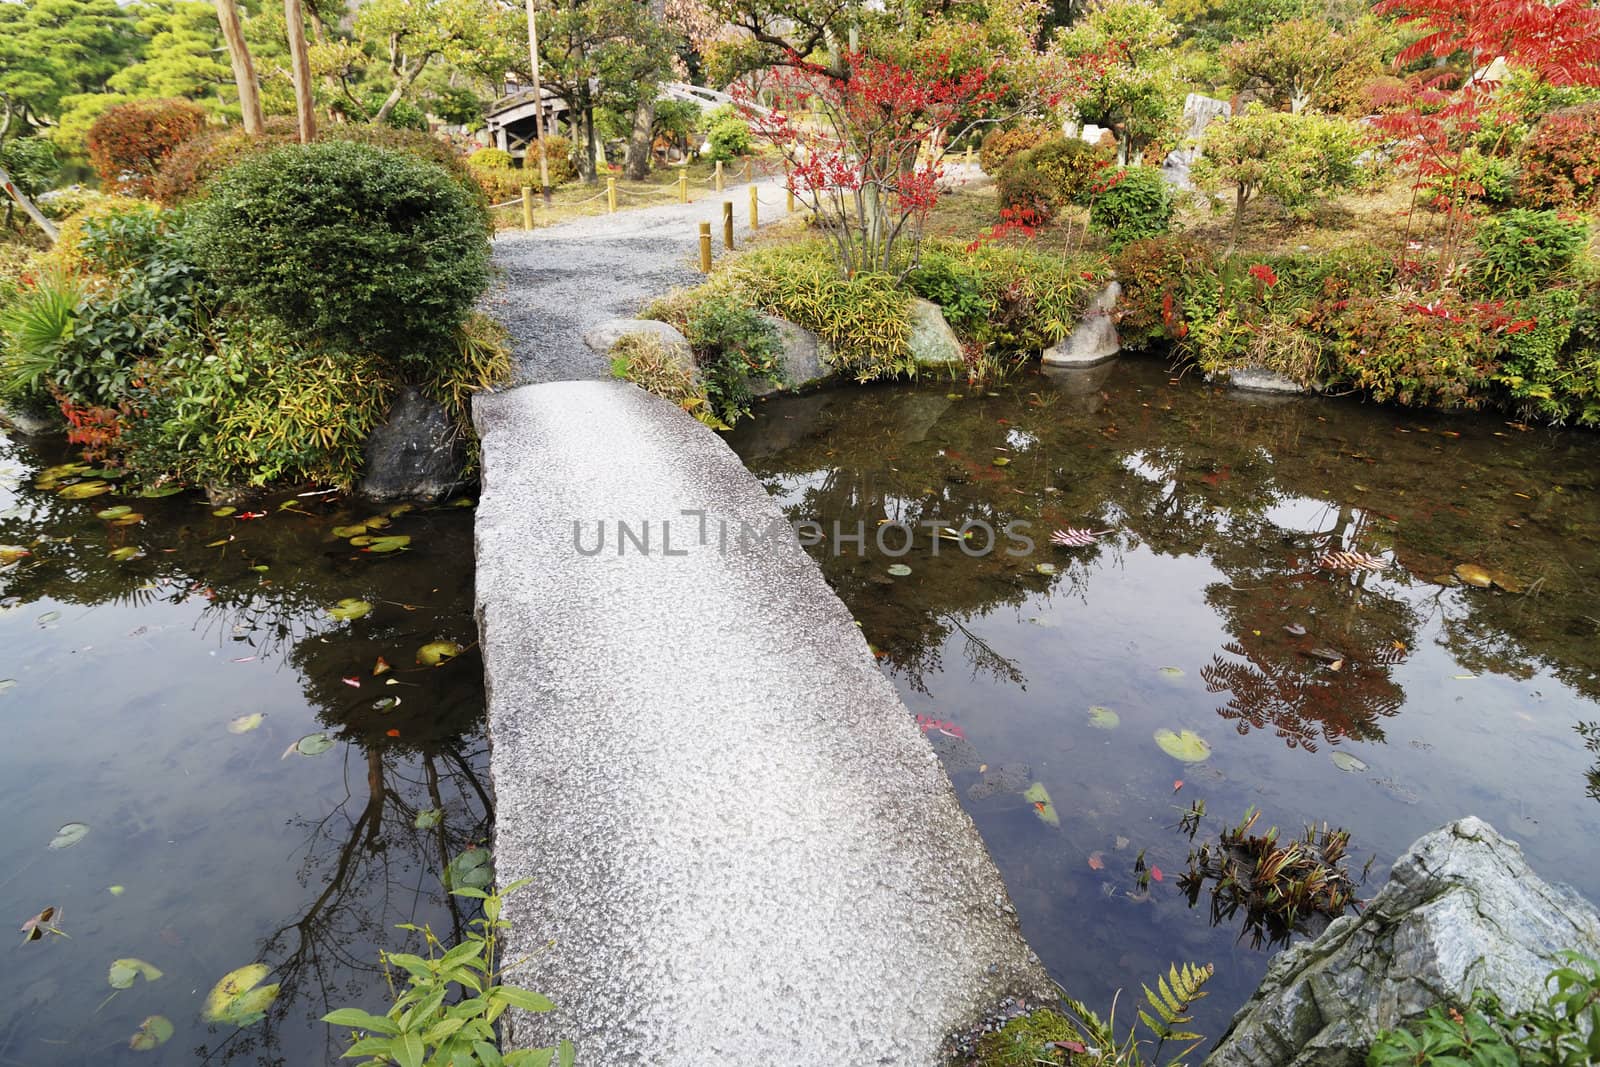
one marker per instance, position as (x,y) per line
(602,336)
(418,452)
(1199,111)
(1462,912)
(1094,340)
(1261,380)
(29,423)
(806,359)
(743,850)
(933,343)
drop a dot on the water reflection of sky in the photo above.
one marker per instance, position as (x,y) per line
(1457,701)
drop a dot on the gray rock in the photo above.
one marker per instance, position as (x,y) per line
(933,342)
(1462,912)
(1083,387)
(806,359)
(1199,111)
(27,422)
(1261,380)
(1094,340)
(416,453)
(744,851)
(601,337)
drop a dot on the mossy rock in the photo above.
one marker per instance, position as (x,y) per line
(1028,1040)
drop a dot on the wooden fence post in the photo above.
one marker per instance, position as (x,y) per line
(611,194)
(719,176)
(683,187)
(755,220)
(727,224)
(527,207)
(705,248)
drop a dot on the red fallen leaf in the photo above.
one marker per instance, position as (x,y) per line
(243,515)
(353,682)
(1155,872)
(1177,784)
(1040,806)
(394,733)
(1074,1047)
(380,667)
(35,927)
(1097,861)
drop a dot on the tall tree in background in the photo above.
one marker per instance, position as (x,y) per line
(244,71)
(475,36)
(300,70)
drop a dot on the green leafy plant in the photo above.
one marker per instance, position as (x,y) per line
(1561,1030)
(452,998)
(642,359)
(1524,250)
(732,345)
(37,326)
(1000,145)
(1133,202)
(1051,175)
(727,134)
(352,245)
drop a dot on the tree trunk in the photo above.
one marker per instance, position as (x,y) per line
(244,71)
(644,121)
(27,206)
(403,80)
(300,70)
(588,158)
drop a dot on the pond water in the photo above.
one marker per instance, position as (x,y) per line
(129,702)
(1199,611)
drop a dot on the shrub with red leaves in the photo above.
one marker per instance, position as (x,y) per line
(1559,166)
(128,143)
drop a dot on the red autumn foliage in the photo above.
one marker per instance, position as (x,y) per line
(128,143)
(1559,165)
(97,429)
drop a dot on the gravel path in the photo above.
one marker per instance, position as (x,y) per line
(557,282)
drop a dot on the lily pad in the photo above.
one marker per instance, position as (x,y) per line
(245,723)
(313,744)
(124,971)
(224,511)
(125,553)
(1037,795)
(393,543)
(376,522)
(349,531)
(115,512)
(84,490)
(1346,762)
(436,652)
(152,1033)
(1102,718)
(69,834)
(132,518)
(385,704)
(472,868)
(158,491)
(1172,672)
(899,570)
(240,999)
(350,608)
(427,820)
(1187,746)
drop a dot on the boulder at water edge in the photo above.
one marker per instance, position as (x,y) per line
(602,336)
(1462,912)
(933,342)
(1094,339)
(416,453)
(806,358)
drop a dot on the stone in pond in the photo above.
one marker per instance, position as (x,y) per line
(1261,380)
(933,343)
(1462,913)
(1094,340)
(417,451)
(804,357)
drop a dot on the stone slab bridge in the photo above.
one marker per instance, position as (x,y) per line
(743,850)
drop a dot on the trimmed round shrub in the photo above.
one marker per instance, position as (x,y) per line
(1000,145)
(189,168)
(1134,202)
(727,134)
(1050,176)
(128,143)
(412,142)
(1560,160)
(491,158)
(1026,188)
(354,245)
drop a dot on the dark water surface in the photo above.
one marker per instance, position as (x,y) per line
(127,676)
(1456,700)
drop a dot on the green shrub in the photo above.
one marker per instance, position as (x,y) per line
(348,245)
(1024,188)
(1072,164)
(1132,203)
(1008,300)
(1487,178)
(732,345)
(999,145)
(642,359)
(491,158)
(1154,273)
(1524,250)
(1437,355)
(1559,163)
(728,134)
(31,162)
(128,143)
(1550,366)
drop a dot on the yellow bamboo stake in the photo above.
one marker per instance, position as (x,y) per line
(683,187)
(749,170)
(727,224)
(969,155)
(705,248)
(789,200)
(719,176)
(527,207)
(611,194)
(755,219)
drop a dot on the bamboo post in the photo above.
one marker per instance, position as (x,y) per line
(718,185)
(749,170)
(755,219)
(969,155)
(727,224)
(788,196)
(527,207)
(611,194)
(705,248)
(683,187)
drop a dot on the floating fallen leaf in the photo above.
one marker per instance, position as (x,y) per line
(7,683)
(461,502)
(1346,762)
(245,723)
(427,820)
(12,553)
(124,971)
(152,1033)
(1037,795)
(43,923)
(1172,672)
(125,553)
(312,744)
(383,704)
(470,869)
(1187,746)
(116,890)
(48,617)
(1000,461)
(353,682)
(392,733)
(380,667)
(220,542)
(1177,784)
(350,608)
(1102,718)
(1474,575)
(224,512)
(69,834)
(436,652)
(1349,562)
(1044,568)
(899,570)
(1097,861)
(387,544)
(1122,842)
(1155,872)
(115,512)
(1072,537)
(239,999)
(1295,630)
